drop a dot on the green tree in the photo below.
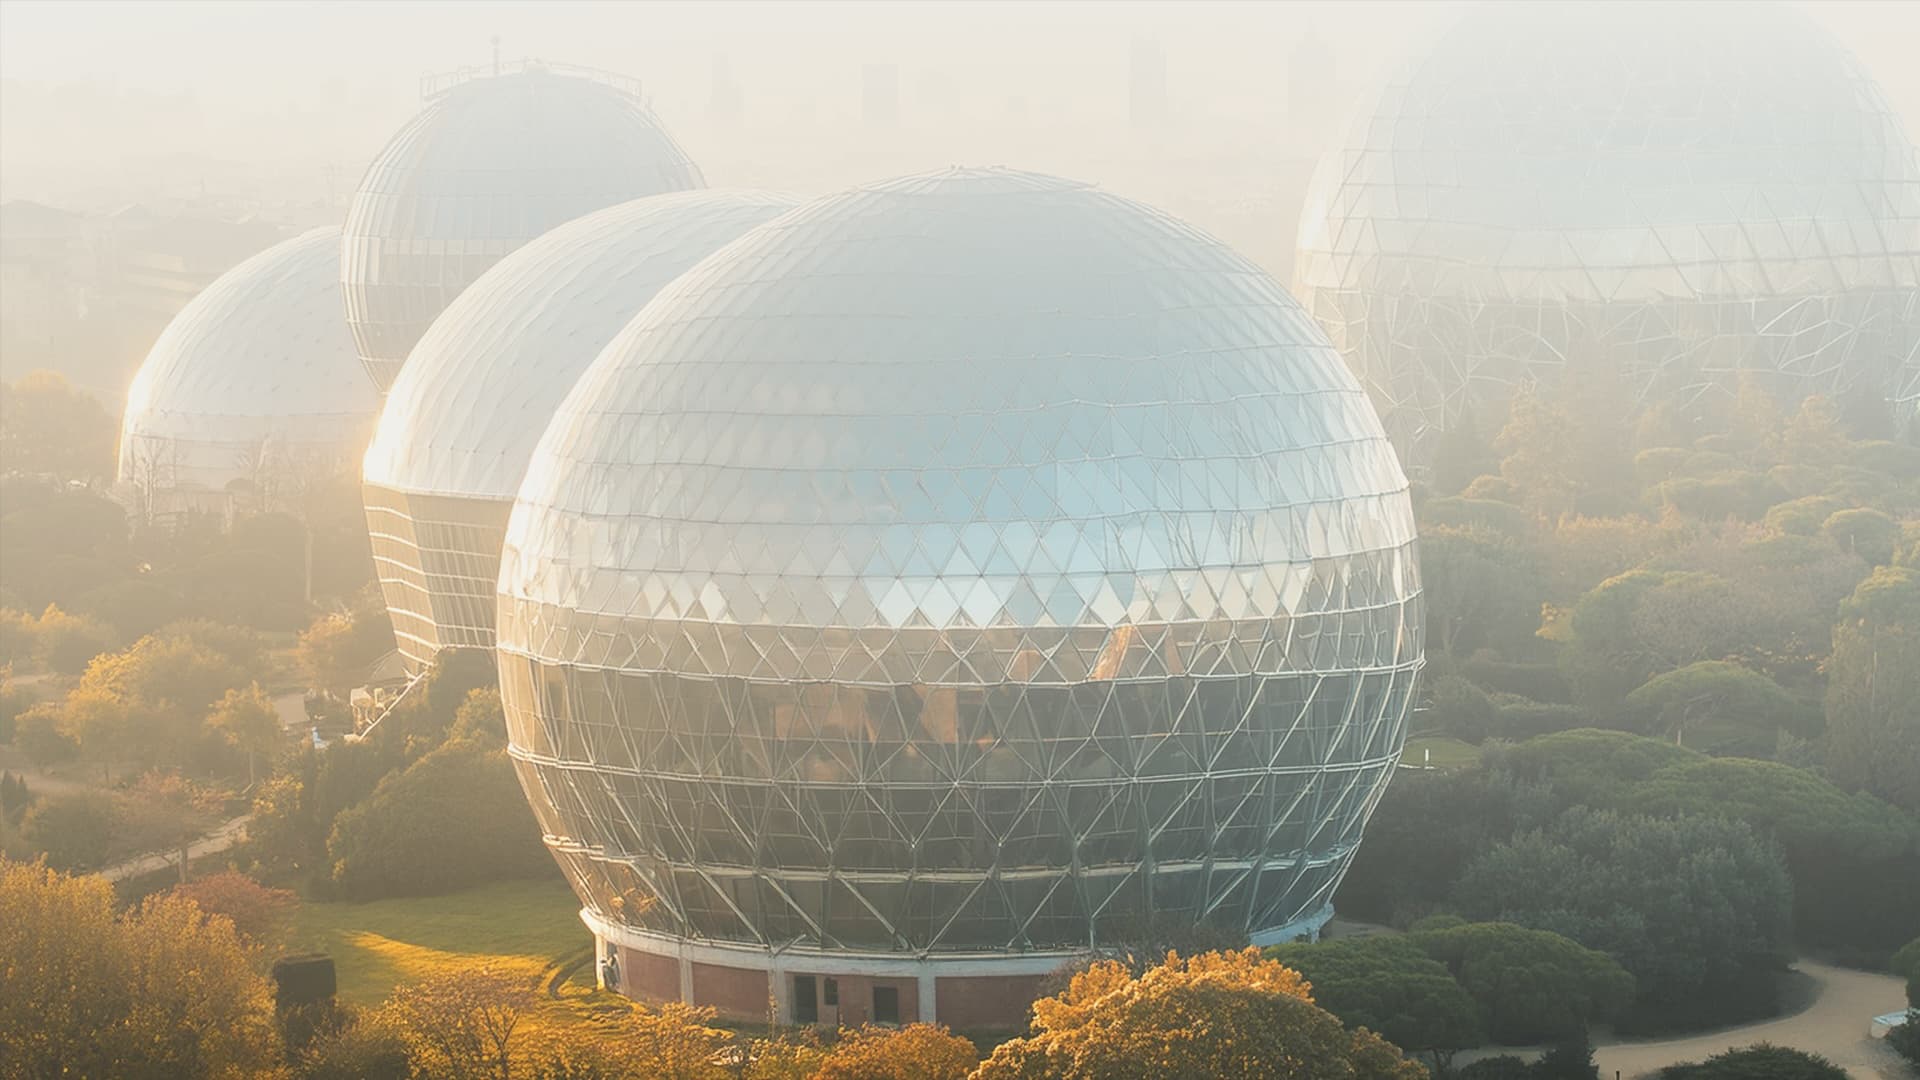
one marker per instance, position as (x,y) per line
(68,643)
(1725,704)
(1760,1061)
(454,818)
(1802,516)
(1530,986)
(337,649)
(1698,910)
(1217,1014)
(74,831)
(247,721)
(1869,533)
(48,428)
(1873,681)
(1390,985)
(1855,860)
(1481,590)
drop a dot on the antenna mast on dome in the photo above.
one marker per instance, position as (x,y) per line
(496,54)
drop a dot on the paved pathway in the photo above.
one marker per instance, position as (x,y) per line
(222,837)
(1835,1025)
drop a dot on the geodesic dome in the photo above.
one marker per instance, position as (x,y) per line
(253,384)
(488,165)
(462,418)
(1676,194)
(972,563)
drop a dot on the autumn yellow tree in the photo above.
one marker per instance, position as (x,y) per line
(247,721)
(1226,1014)
(914,1052)
(462,1024)
(163,990)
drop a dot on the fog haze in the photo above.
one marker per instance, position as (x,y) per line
(107,104)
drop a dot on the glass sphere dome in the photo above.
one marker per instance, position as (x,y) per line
(976,562)
(488,165)
(462,418)
(255,382)
(1680,194)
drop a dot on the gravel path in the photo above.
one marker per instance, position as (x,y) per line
(1834,1025)
(226,835)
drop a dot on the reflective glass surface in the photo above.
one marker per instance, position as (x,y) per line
(965,562)
(1685,192)
(462,418)
(254,381)
(488,165)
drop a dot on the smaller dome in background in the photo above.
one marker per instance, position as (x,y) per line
(255,376)
(1677,196)
(488,165)
(462,419)
(464,415)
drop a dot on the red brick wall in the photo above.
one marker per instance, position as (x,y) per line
(856,997)
(737,992)
(649,976)
(985,1002)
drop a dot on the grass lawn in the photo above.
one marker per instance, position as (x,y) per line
(1441,752)
(529,926)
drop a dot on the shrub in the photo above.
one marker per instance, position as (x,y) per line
(1905,1038)
(1760,1061)
(1536,682)
(75,831)
(1699,910)
(1802,516)
(1389,985)
(1869,533)
(1518,719)
(453,819)
(1461,709)
(914,1052)
(1530,986)
(254,908)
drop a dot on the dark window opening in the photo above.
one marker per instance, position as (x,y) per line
(830,991)
(886,1005)
(806,1009)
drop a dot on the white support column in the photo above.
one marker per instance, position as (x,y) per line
(782,990)
(686,977)
(929,1009)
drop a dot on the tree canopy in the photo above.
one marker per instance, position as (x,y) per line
(1217,1014)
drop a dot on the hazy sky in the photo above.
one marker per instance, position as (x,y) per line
(105,99)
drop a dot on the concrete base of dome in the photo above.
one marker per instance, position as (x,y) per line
(798,985)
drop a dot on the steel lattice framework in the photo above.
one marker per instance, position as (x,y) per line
(462,419)
(1682,193)
(488,165)
(971,563)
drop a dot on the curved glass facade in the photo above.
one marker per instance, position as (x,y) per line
(488,165)
(1684,193)
(254,385)
(462,418)
(971,563)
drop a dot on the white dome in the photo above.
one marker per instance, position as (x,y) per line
(965,564)
(487,166)
(464,415)
(258,370)
(1685,192)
